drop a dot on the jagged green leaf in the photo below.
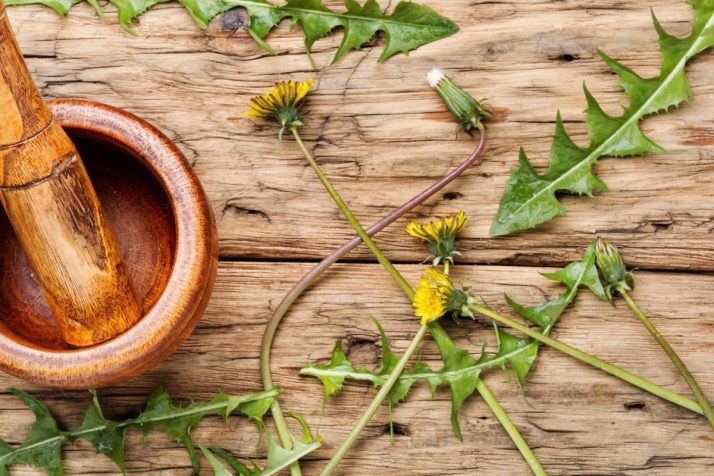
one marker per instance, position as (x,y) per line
(410,25)
(106,436)
(238,467)
(333,374)
(530,198)
(218,468)
(42,447)
(573,276)
(280,458)
(203,11)
(128,10)
(176,421)
(518,352)
(461,370)
(60,6)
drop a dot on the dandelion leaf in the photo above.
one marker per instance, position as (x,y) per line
(60,6)
(280,458)
(106,436)
(461,370)
(218,468)
(530,198)
(521,353)
(42,447)
(177,421)
(410,25)
(238,467)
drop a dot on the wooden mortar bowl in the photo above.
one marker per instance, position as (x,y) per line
(166,232)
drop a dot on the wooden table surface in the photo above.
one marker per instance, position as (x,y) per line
(383,135)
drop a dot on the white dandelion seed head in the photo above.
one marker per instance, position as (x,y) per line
(435,76)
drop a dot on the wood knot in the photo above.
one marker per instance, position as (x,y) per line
(397,429)
(636,405)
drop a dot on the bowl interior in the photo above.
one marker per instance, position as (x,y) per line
(141,217)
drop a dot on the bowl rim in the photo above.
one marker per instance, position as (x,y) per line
(179,308)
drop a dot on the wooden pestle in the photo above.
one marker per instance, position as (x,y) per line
(55,213)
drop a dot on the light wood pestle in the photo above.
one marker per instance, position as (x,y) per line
(55,213)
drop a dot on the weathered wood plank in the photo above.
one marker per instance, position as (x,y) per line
(578,420)
(377,127)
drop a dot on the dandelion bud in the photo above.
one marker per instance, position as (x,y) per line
(612,267)
(466,110)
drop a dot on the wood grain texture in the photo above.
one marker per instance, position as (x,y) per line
(382,135)
(167,239)
(379,126)
(56,215)
(578,420)
(23,110)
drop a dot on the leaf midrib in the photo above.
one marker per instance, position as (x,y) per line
(21,449)
(375,378)
(636,116)
(134,422)
(309,448)
(385,19)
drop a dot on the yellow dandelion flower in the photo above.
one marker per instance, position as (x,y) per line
(439,279)
(436,295)
(429,304)
(440,235)
(282,103)
(431,299)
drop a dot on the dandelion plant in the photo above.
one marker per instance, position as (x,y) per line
(408,27)
(468,112)
(530,198)
(42,447)
(620,281)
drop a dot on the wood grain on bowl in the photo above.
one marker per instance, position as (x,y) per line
(79,308)
(165,231)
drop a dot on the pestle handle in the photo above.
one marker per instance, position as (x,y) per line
(55,213)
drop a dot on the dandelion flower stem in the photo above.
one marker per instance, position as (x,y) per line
(366,239)
(394,376)
(510,428)
(375,404)
(701,398)
(307,280)
(618,372)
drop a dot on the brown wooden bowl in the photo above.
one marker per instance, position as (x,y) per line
(166,231)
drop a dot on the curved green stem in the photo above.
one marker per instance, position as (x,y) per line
(618,372)
(511,429)
(306,281)
(701,398)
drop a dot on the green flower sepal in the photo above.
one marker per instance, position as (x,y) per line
(612,267)
(465,109)
(440,236)
(282,104)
